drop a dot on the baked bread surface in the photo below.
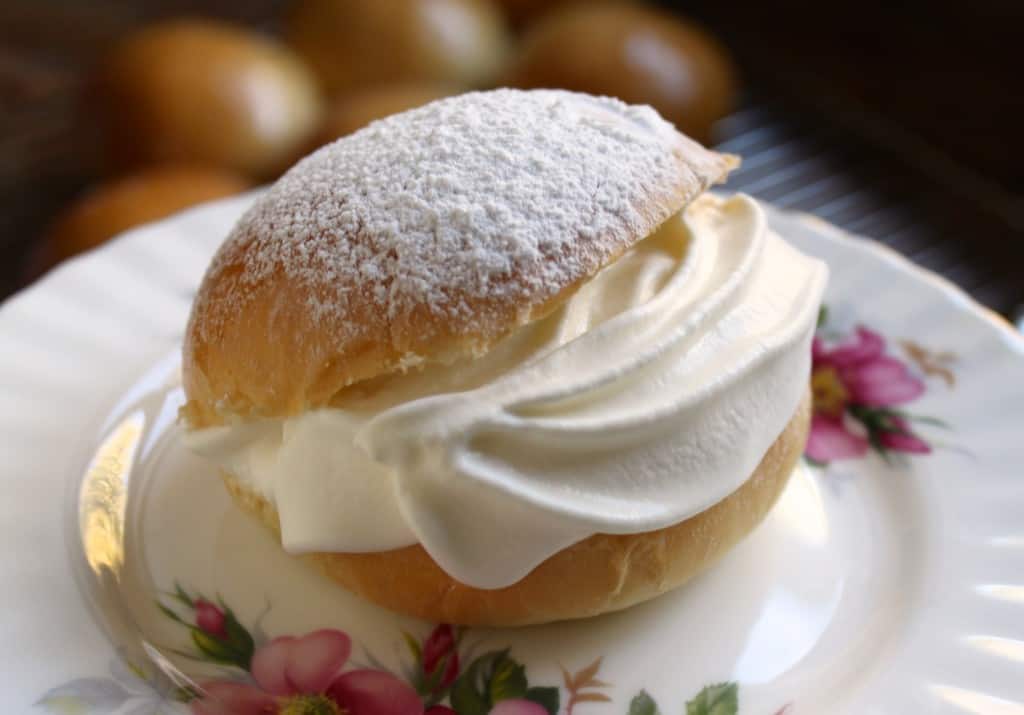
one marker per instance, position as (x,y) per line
(427,237)
(599,574)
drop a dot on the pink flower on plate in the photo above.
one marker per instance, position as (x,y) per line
(902,439)
(854,383)
(439,650)
(302,676)
(210,619)
(829,439)
(866,375)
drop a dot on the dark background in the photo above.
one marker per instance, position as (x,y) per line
(898,120)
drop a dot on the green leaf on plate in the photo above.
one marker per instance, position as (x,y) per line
(548,698)
(470,694)
(171,614)
(720,699)
(214,649)
(643,704)
(239,640)
(181,595)
(413,645)
(508,680)
(432,683)
(492,677)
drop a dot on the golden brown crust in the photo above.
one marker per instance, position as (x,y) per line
(311,294)
(600,574)
(263,362)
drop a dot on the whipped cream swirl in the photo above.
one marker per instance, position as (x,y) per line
(649,396)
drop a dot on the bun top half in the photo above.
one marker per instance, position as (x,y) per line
(427,237)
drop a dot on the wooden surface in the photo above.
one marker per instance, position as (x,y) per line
(902,121)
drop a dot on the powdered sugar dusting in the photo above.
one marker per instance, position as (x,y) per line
(471,205)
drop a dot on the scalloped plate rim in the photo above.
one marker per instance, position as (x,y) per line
(956,297)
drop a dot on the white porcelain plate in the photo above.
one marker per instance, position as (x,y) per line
(888,579)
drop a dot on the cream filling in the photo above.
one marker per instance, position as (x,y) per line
(648,397)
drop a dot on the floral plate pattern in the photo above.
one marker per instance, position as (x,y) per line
(889,578)
(306,675)
(859,391)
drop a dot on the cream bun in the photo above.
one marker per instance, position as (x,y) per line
(499,359)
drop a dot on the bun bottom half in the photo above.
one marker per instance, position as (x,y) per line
(600,574)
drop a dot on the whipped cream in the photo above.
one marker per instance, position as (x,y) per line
(646,398)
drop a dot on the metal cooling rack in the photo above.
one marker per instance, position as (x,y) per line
(930,217)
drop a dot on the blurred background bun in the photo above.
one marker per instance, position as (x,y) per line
(206,92)
(522,12)
(116,206)
(352,44)
(635,53)
(192,109)
(871,140)
(357,109)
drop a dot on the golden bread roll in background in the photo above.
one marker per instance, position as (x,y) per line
(357,109)
(116,206)
(523,12)
(638,54)
(350,45)
(206,92)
